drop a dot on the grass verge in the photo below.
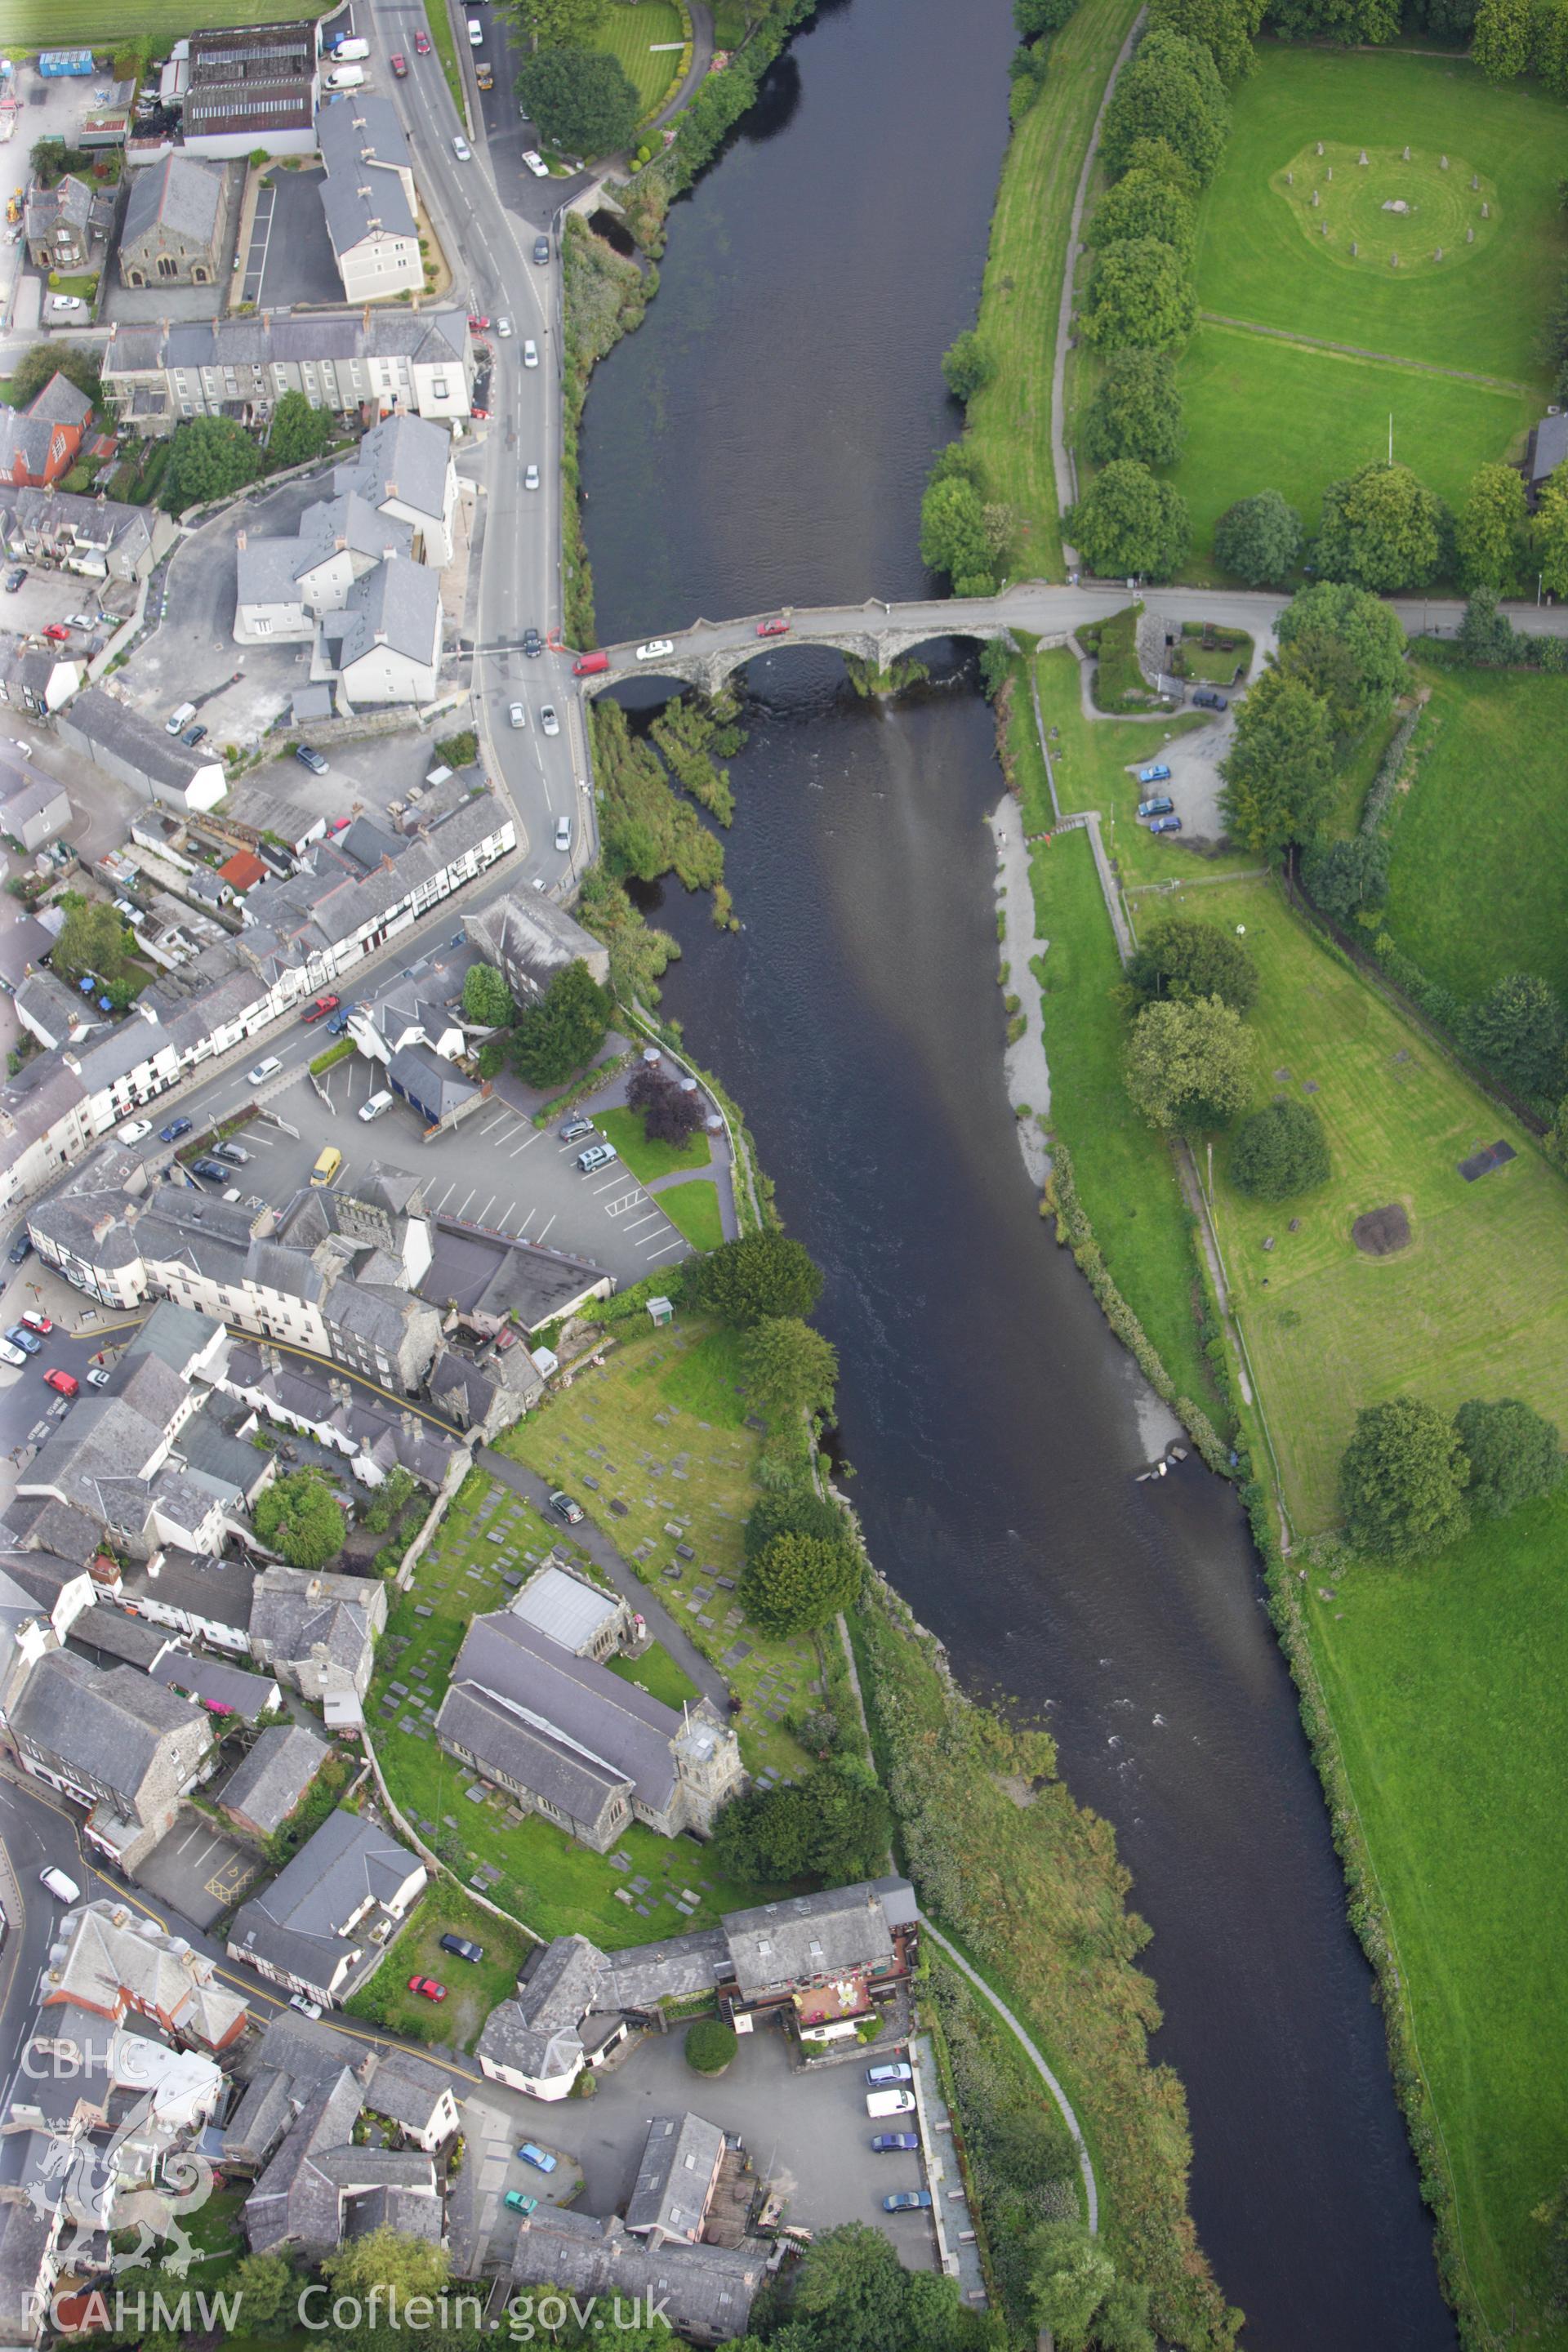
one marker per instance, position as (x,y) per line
(693,1210)
(31,25)
(647,1160)
(657,1673)
(438,19)
(473,1987)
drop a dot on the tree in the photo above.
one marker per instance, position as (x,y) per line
(1492,529)
(1501,43)
(41,361)
(1070,2275)
(1139,295)
(792,1510)
(209,457)
(263,2282)
(1258,538)
(1345,876)
(1145,204)
(670,1113)
(563,1033)
(1182,956)
(835,1824)
(1487,638)
(559,23)
(797,1583)
(1549,534)
(1031,18)
(711,2046)
(1402,1480)
(301,1517)
(1278,773)
(762,1274)
(788,1368)
(1515,1455)
(1280,1150)
(968,365)
(1189,1065)
(92,940)
(1225,28)
(298,431)
(953,537)
(582,99)
(1169,91)
(384,2258)
(1136,410)
(851,2281)
(1127,523)
(1517,1029)
(1350,24)
(1348,646)
(1381,529)
(1158,157)
(487,998)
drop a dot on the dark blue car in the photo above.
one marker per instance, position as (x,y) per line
(894,2143)
(173,1132)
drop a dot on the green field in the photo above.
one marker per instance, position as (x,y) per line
(1474,1306)
(1446,1688)
(1480,877)
(29,24)
(630,30)
(1010,421)
(1236,387)
(693,1210)
(473,1987)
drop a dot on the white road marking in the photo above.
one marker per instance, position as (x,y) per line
(618,1178)
(676,1243)
(500,1120)
(523,1145)
(482,1214)
(543,1229)
(652,1218)
(464,1202)
(445,1197)
(526,1223)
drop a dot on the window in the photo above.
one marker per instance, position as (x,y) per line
(439,387)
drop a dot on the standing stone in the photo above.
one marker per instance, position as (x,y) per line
(1407,154)
(1290,179)
(1394,261)
(1355,249)
(1315,200)
(1476,181)
(1331,170)
(1442,163)
(1319,146)
(1438,254)
(1486,211)
(1362,156)
(1470,237)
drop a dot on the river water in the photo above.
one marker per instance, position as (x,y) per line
(762,440)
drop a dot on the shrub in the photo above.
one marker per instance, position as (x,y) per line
(1280,1150)
(1514,1454)
(759,1274)
(1402,1480)
(711,2046)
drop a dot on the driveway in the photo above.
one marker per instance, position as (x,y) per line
(198,1871)
(289,259)
(1196,781)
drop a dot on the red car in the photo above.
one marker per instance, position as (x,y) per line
(340,825)
(320,1010)
(773,628)
(482,413)
(427,1986)
(421,45)
(399,64)
(61,636)
(478,323)
(36,1322)
(66,1383)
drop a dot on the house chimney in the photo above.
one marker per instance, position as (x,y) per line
(239,542)
(380,636)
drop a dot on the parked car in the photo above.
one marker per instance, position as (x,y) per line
(134,1129)
(530,352)
(235,1153)
(518,715)
(15,1357)
(262,1072)
(894,2143)
(891,2070)
(311,760)
(20,1337)
(97,1376)
(907,2201)
(192,736)
(375,1105)
(1166,825)
(1206,698)
(63,1889)
(15,578)
(1159,806)
(479,322)
(1158,775)
(173,1132)
(80,621)
(64,1384)
(306,2008)
(421,45)
(552,726)
(483,75)
(541,249)
(329,1165)
(530,477)
(533,643)
(503,328)
(656,649)
(213,1169)
(516,2203)
(597,1156)
(427,1987)
(36,1322)
(67,301)
(536,162)
(564,1506)
(319,1009)
(463,1947)
(20,1248)
(399,64)
(889,2103)
(180,719)
(572,1128)
(540,2157)
(60,635)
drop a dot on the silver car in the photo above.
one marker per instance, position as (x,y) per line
(518,715)
(547,721)
(530,477)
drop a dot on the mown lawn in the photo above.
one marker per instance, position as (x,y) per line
(1480,877)
(1010,421)
(438,20)
(693,1210)
(473,1987)
(630,31)
(29,24)
(1474,1306)
(657,1673)
(1446,1686)
(623,1128)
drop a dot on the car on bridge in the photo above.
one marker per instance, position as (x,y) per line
(1158,775)
(590,665)
(1161,806)
(656,649)
(563,833)
(773,628)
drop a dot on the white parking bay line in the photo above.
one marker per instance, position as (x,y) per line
(652,1218)
(676,1243)
(543,1229)
(464,1202)
(484,1213)
(527,1221)
(446,1196)
(500,1120)
(526,1141)
(618,1178)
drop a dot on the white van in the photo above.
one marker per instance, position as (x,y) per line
(476,33)
(375,1105)
(343,77)
(179,718)
(889,2103)
(346,48)
(63,1889)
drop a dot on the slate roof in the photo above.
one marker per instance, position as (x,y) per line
(406,457)
(272,1780)
(1549,445)
(105,1949)
(25,2241)
(434,1087)
(297,1923)
(433,336)
(703,2291)
(398,601)
(528,1755)
(295,1617)
(679,2163)
(100,522)
(111,1636)
(588,1713)
(365,150)
(158,755)
(215,1684)
(221,1591)
(565,1608)
(179,195)
(112,1728)
(407,2090)
(535,941)
(808,1935)
(60,401)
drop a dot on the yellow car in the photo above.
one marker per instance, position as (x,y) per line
(325,1171)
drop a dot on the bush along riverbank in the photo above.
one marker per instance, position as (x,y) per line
(604,297)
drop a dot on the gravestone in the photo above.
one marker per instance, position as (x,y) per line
(1289,183)
(1486,211)
(1476,181)
(1316,200)
(1470,237)
(1362,156)
(1331,170)
(1319,146)
(1442,163)
(1438,254)
(1355,249)
(1394,261)
(1407,155)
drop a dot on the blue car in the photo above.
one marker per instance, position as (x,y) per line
(1166,825)
(1158,775)
(1159,805)
(893,2143)
(20,1337)
(173,1132)
(540,2158)
(907,2201)
(891,2070)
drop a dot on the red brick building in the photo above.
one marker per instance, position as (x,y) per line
(41,442)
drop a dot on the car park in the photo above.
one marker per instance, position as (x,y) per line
(464,1947)
(656,649)
(518,715)
(36,1322)
(213,1170)
(565,1509)
(536,162)
(894,2143)
(97,1376)
(306,2008)
(516,2201)
(15,1357)
(552,726)
(134,1129)
(427,1987)
(540,2157)
(1159,806)
(64,1384)
(541,249)
(1205,698)
(1166,825)
(572,1128)
(178,1126)
(530,352)
(311,760)
(530,477)
(63,1889)
(421,45)
(20,1337)
(907,2201)
(891,2070)
(461,149)
(399,64)
(262,1072)
(597,1156)
(563,833)
(1157,774)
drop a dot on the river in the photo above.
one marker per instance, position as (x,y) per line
(762,440)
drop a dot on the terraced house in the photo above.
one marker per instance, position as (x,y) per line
(375,362)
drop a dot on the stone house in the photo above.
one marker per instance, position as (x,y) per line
(118,1743)
(176,223)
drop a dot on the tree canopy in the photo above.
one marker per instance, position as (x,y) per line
(670,1113)
(92,940)
(299,431)
(1280,1150)
(1402,1480)
(559,23)
(1140,296)
(1493,529)
(582,100)
(1518,1028)
(1258,538)
(1501,43)
(796,1583)
(209,457)
(1486,636)
(384,2258)
(1513,1455)
(1070,2275)
(1182,956)
(788,1368)
(968,365)
(767,1273)
(300,1517)
(1145,203)
(1129,524)
(1345,876)
(1348,646)
(1548,532)
(1171,92)
(953,537)
(78,362)
(565,1029)
(1383,529)
(1278,773)
(711,2046)
(834,1824)
(1136,410)
(1225,28)
(1189,1065)
(792,1510)
(487,998)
